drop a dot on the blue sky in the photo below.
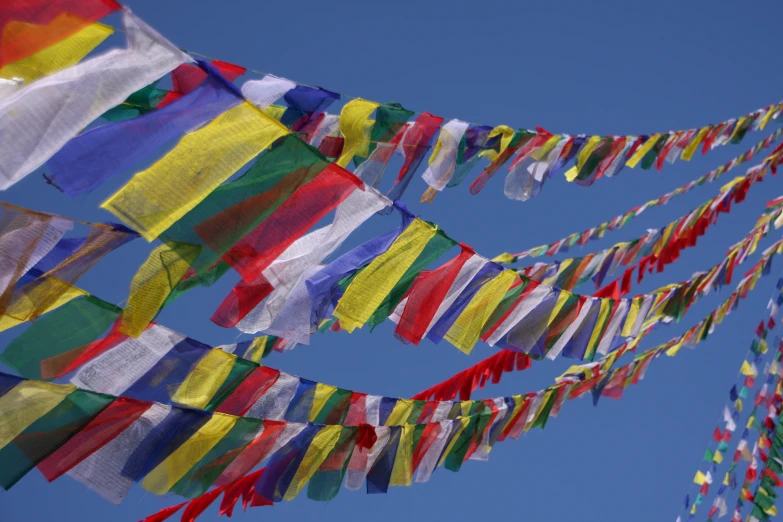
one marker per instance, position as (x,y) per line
(571,66)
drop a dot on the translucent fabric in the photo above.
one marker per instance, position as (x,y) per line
(318,451)
(353,122)
(25,238)
(65,53)
(373,284)
(414,146)
(363,459)
(162,381)
(36,121)
(264,92)
(379,476)
(160,195)
(203,382)
(326,481)
(293,322)
(444,158)
(233,209)
(41,438)
(282,467)
(484,274)
(206,471)
(104,428)
(527,302)
(25,403)
(163,477)
(163,440)
(28,26)
(285,272)
(474,139)
(526,177)
(323,287)
(102,471)
(275,402)
(436,247)
(240,401)
(63,332)
(274,435)
(31,300)
(107,151)
(371,171)
(258,249)
(117,369)
(154,281)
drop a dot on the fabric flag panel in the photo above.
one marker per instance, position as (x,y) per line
(160,195)
(37,120)
(29,26)
(106,151)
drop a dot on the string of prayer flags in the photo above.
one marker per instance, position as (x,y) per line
(31,26)
(731,415)
(39,119)
(599,231)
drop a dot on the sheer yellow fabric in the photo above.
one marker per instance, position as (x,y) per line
(61,55)
(633,314)
(203,382)
(402,470)
(506,133)
(160,195)
(255,352)
(322,394)
(581,158)
(767,117)
(322,445)
(641,151)
(687,154)
(373,284)
(154,282)
(595,337)
(465,331)
(161,479)
(27,402)
(353,122)
(21,309)
(400,412)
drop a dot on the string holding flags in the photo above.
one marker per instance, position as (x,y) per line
(255,176)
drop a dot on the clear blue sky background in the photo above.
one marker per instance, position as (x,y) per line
(571,66)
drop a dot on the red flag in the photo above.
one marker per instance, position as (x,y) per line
(200,504)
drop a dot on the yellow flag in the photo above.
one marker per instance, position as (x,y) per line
(633,313)
(255,352)
(506,134)
(699,478)
(353,122)
(153,283)
(61,55)
(402,469)
(402,409)
(687,154)
(275,112)
(22,308)
(163,477)
(27,402)
(160,195)
(737,127)
(368,290)
(642,151)
(717,458)
(467,327)
(205,380)
(767,117)
(320,448)
(747,369)
(582,157)
(322,394)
